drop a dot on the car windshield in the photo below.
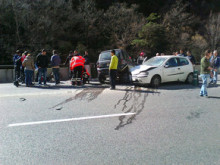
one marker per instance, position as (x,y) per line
(155,61)
(107,55)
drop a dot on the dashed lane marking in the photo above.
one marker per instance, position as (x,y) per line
(70,119)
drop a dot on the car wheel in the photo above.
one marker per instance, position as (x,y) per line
(101,79)
(189,78)
(155,81)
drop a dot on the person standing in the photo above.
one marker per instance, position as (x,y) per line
(68,59)
(140,59)
(42,64)
(28,65)
(67,62)
(87,63)
(22,68)
(215,64)
(17,67)
(191,57)
(205,72)
(113,69)
(181,53)
(55,63)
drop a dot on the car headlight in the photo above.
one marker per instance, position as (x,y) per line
(143,74)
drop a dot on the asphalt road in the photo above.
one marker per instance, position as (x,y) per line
(93,125)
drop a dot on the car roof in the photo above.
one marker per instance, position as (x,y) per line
(110,50)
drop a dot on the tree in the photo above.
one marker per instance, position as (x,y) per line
(179,25)
(152,37)
(213,31)
(121,24)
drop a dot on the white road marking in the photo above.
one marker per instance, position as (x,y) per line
(70,119)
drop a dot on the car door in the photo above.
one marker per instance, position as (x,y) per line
(185,68)
(171,70)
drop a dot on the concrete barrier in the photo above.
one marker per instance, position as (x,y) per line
(7,75)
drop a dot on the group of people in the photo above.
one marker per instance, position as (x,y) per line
(182,54)
(24,65)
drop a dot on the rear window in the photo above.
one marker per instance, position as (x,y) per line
(105,56)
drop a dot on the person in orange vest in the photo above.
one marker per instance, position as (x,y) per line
(76,67)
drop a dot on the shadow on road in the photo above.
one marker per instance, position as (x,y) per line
(214,97)
(177,86)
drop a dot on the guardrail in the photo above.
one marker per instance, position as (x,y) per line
(6,66)
(7,73)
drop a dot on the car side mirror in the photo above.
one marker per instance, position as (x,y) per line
(166,66)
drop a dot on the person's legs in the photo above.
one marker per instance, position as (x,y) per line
(28,77)
(17,76)
(80,71)
(88,68)
(203,91)
(31,76)
(56,75)
(112,78)
(45,75)
(22,75)
(215,77)
(39,75)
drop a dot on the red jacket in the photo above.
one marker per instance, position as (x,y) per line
(76,61)
(23,57)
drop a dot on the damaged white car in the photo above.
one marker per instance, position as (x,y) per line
(162,69)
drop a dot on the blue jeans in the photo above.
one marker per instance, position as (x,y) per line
(42,72)
(56,75)
(214,79)
(203,91)
(28,76)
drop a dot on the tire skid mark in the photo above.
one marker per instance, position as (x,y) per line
(139,99)
(88,94)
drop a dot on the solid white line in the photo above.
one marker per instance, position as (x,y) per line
(70,119)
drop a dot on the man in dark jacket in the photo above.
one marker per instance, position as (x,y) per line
(55,64)
(17,67)
(215,64)
(42,64)
(191,57)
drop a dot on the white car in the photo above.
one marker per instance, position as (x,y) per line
(162,69)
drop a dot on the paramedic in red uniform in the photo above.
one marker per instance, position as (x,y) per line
(77,66)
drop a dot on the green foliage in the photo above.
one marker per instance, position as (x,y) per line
(152,37)
(97,25)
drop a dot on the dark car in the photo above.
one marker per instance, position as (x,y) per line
(124,65)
